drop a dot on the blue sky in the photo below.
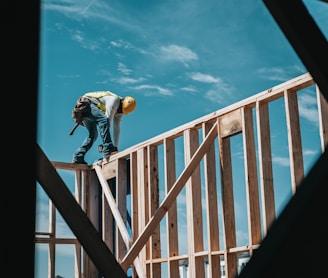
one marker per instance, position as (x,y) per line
(180,60)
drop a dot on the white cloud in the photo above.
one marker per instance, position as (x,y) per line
(150,90)
(189,89)
(123,69)
(125,80)
(280,74)
(307,108)
(85,9)
(282,161)
(92,45)
(177,53)
(88,6)
(309,152)
(214,96)
(219,89)
(205,78)
(127,45)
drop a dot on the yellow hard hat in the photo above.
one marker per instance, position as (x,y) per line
(129,105)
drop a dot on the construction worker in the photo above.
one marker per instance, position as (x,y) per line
(106,108)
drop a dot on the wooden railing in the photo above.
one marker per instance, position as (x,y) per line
(187,196)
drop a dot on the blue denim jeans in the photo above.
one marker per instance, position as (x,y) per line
(96,121)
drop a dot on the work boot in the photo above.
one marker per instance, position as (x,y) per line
(114,150)
(106,159)
(79,161)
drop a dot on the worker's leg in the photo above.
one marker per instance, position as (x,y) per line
(104,130)
(91,125)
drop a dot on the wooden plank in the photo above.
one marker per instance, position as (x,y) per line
(109,170)
(78,187)
(171,196)
(72,241)
(75,217)
(194,207)
(92,199)
(228,208)
(112,204)
(294,139)
(265,164)
(251,178)
(88,267)
(118,218)
(172,222)
(214,262)
(134,200)
(155,240)
(52,245)
(70,166)
(230,123)
(78,260)
(81,185)
(91,206)
(107,224)
(121,190)
(323,116)
(143,188)
(298,83)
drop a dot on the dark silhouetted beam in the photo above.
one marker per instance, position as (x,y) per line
(305,37)
(76,218)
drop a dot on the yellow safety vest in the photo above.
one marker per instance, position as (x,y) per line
(99,94)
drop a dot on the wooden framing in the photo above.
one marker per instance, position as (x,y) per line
(207,154)
(213,242)
(194,208)
(294,139)
(265,164)
(252,190)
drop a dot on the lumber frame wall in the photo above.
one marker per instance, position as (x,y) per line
(206,148)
